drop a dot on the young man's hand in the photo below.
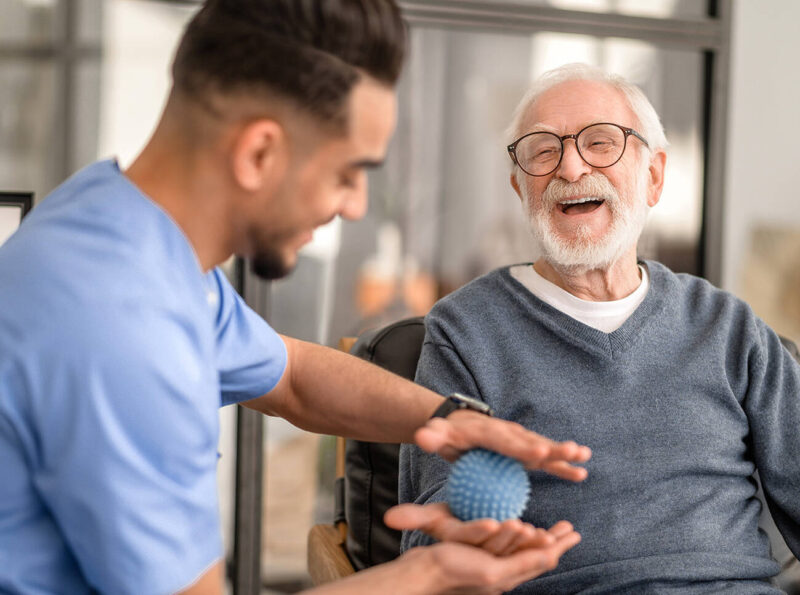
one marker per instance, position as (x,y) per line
(467,570)
(498,538)
(493,557)
(462,430)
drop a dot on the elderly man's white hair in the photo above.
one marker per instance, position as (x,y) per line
(648,125)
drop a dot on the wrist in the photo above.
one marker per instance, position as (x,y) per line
(420,572)
(459,402)
(434,578)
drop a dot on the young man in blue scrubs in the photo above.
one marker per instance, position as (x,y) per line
(119,338)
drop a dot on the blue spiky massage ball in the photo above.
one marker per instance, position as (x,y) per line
(484,484)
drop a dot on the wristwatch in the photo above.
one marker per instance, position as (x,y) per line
(459,401)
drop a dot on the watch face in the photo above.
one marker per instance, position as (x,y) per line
(465,402)
(458,401)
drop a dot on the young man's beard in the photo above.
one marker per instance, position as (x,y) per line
(268,260)
(269,265)
(582,252)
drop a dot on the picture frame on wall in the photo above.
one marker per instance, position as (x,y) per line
(13,207)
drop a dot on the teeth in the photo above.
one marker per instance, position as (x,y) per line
(577,201)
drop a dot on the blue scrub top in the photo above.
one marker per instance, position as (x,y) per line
(116,352)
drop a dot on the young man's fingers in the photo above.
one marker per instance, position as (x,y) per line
(436,520)
(560,529)
(413,516)
(565,470)
(434,435)
(535,538)
(463,430)
(505,539)
(524,565)
(529,563)
(569,451)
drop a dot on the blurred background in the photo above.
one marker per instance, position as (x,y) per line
(86,79)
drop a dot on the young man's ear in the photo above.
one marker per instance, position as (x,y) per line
(260,154)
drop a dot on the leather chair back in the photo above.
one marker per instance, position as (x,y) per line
(371,467)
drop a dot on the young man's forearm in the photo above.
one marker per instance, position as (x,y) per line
(329,392)
(415,573)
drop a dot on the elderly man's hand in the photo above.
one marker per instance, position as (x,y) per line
(463,430)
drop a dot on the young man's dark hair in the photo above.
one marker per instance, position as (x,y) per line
(310,52)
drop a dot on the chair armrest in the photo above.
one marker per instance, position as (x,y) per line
(327,560)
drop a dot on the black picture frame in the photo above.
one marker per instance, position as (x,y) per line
(21,200)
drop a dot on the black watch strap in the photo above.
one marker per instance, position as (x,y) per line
(458,401)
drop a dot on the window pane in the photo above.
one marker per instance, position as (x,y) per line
(651,8)
(90,20)
(29,130)
(28,20)
(139,40)
(85,123)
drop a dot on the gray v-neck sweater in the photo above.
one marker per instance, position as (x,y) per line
(680,405)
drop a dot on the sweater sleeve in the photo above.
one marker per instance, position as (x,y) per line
(423,476)
(773,408)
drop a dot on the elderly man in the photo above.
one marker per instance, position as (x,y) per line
(679,389)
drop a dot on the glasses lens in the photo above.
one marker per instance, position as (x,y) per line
(601,145)
(538,153)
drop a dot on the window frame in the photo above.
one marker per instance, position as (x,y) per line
(710,35)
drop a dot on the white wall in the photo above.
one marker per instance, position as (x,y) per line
(139,39)
(764,127)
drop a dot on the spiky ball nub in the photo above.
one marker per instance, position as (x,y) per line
(485,484)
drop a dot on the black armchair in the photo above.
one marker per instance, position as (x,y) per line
(367,486)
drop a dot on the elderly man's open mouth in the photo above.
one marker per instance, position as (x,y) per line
(580,206)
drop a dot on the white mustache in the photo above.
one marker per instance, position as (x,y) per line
(594,185)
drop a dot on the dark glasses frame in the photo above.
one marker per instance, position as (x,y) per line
(512,148)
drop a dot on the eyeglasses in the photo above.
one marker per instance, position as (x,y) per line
(599,145)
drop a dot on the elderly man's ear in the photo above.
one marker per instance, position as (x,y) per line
(515,184)
(657,163)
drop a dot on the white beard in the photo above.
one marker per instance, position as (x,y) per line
(583,253)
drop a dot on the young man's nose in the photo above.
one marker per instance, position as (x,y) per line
(355,202)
